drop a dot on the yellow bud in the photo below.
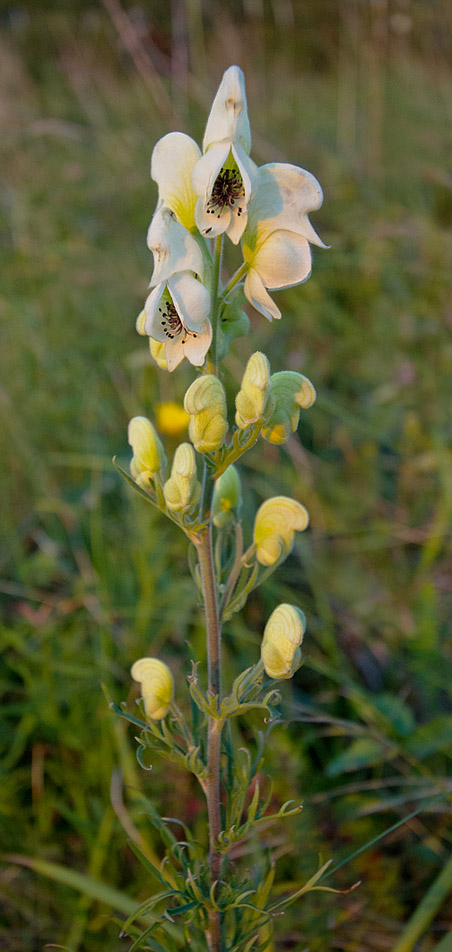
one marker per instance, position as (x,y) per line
(148,453)
(157,686)
(158,352)
(171,418)
(290,391)
(251,400)
(139,324)
(283,635)
(205,401)
(275,524)
(182,490)
(226,497)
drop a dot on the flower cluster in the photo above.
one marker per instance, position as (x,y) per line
(216,191)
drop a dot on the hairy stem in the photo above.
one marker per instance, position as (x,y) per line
(213,633)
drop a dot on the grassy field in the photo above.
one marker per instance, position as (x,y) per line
(360,93)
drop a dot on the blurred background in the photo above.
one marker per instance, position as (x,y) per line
(360,93)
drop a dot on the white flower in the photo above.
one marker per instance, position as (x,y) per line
(176,314)
(276,240)
(173,160)
(224,177)
(173,247)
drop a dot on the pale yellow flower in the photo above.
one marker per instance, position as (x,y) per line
(283,635)
(224,177)
(157,686)
(276,522)
(148,454)
(276,241)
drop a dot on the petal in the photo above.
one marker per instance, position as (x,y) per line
(174,353)
(228,118)
(173,247)
(258,297)
(152,323)
(212,225)
(283,197)
(196,346)
(282,260)
(206,170)
(172,163)
(248,170)
(191,299)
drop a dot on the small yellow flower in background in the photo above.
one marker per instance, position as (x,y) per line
(276,522)
(291,391)
(251,400)
(148,454)
(182,490)
(283,635)
(227,497)
(172,419)
(157,686)
(205,401)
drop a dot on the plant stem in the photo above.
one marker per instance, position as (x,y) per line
(213,633)
(239,274)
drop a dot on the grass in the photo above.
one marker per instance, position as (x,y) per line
(90,581)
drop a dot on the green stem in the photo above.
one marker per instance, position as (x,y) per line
(239,274)
(213,632)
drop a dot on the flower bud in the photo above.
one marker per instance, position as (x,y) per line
(205,401)
(227,496)
(148,453)
(283,635)
(157,350)
(275,524)
(182,490)
(251,400)
(157,686)
(290,391)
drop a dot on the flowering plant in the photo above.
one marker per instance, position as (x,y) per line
(203,197)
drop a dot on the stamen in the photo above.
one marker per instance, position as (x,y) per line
(227,190)
(170,321)
(172,325)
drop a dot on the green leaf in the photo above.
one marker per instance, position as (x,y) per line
(93,888)
(398,715)
(361,753)
(430,737)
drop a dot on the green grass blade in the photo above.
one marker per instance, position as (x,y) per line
(78,881)
(425,912)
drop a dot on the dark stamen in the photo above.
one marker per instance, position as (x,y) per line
(171,323)
(227,190)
